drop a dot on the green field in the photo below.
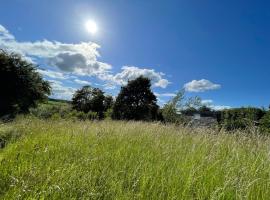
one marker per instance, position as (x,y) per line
(59,159)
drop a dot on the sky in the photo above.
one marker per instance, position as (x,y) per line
(218,50)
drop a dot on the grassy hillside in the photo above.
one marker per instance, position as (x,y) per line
(130,160)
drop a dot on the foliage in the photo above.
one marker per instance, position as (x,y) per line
(62,159)
(56,110)
(136,101)
(108,102)
(21,85)
(180,106)
(240,118)
(193,103)
(47,110)
(265,123)
(170,111)
(108,113)
(89,99)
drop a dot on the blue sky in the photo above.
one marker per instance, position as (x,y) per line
(218,50)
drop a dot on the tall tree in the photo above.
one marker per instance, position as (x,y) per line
(21,85)
(89,99)
(136,101)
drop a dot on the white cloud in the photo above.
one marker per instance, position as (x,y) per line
(207,101)
(78,58)
(4,34)
(201,86)
(210,103)
(53,74)
(131,73)
(220,107)
(59,91)
(75,59)
(82,82)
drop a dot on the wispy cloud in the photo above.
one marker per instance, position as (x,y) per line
(60,91)
(82,82)
(53,74)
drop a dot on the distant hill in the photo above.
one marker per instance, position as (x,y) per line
(59,100)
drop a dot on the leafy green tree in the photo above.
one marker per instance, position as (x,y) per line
(180,106)
(136,101)
(171,110)
(89,99)
(21,85)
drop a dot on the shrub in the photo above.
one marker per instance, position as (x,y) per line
(92,115)
(265,123)
(46,111)
(240,118)
(108,114)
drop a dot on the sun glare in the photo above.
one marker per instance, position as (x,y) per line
(91,26)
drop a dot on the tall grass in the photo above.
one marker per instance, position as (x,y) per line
(131,160)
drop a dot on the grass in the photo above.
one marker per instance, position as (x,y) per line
(130,160)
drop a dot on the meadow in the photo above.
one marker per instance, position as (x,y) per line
(70,159)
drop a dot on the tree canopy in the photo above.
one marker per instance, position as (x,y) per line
(21,85)
(136,101)
(89,99)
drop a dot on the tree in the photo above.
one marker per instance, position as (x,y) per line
(89,99)
(193,103)
(108,102)
(171,110)
(21,85)
(136,101)
(207,112)
(179,106)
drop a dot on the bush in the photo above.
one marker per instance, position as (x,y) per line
(108,114)
(240,118)
(46,111)
(265,123)
(61,111)
(92,115)
(169,113)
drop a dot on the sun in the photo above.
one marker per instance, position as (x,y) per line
(91,26)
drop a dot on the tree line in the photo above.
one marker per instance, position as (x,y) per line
(22,88)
